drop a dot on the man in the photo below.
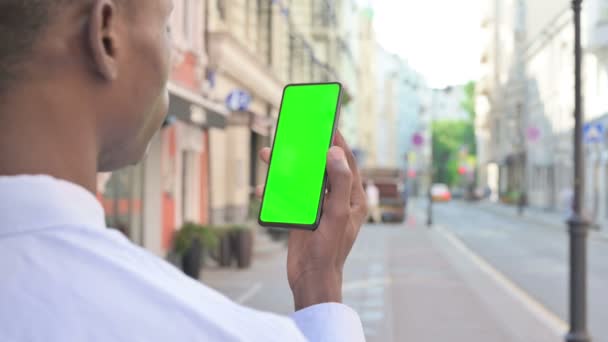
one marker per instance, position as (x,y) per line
(82,90)
(373,201)
(522,202)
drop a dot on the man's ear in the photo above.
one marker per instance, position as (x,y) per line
(103,39)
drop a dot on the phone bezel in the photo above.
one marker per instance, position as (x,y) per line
(314,225)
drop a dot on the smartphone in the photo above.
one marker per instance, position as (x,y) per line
(295,183)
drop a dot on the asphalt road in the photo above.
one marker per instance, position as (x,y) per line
(532,256)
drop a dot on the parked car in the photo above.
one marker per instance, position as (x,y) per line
(440,193)
(458,193)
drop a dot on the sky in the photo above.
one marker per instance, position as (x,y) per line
(439,38)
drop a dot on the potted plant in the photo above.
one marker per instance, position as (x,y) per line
(224,253)
(242,245)
(191,242)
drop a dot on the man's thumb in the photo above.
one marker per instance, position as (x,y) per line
(340,181)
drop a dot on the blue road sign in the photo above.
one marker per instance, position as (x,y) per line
(238,100)
(593,133)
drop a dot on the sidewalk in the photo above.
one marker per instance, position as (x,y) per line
(407,283)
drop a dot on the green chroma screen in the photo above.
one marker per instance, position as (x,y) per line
(299,155)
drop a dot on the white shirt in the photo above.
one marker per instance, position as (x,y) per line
(65,277)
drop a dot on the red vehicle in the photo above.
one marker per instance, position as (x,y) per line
(440,193)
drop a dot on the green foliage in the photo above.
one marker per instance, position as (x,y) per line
(449,138)
(238,228)
(510,197)
(189,231)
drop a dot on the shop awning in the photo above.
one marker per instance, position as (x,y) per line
(195,109)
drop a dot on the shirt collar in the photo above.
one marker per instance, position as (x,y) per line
(36,202)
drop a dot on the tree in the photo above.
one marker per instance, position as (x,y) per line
(449,138)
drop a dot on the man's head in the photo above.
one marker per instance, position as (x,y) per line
(100,67)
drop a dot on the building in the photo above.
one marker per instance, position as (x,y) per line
(387,82)
(413,126)
(348,68)
(526,100)
(596,109)
(399,113)
(366,148)
(245,73)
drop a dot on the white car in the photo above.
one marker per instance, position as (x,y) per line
(440,193)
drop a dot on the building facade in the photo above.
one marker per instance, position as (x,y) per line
(526,101)
(348,68)
(387,82)
(366,148)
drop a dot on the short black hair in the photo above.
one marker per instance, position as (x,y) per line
(21,22)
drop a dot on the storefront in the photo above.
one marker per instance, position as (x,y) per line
(185,161)
(149,201)
(121,196)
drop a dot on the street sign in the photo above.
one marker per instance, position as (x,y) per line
(417,139)
(593,133)
(238,100)
(533,133)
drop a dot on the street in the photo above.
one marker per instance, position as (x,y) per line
(533,256)
(477,275)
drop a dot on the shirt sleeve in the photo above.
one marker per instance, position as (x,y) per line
(329,322)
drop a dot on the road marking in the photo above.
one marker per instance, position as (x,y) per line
(366,283)
(551,320)
(249,293)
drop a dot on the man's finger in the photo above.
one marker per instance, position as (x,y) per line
(265,155)
(358,194)
(340,179)
(259,191)
(350,157)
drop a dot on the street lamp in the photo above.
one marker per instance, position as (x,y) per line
(577,226)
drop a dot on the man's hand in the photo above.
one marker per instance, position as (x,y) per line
(316,259)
